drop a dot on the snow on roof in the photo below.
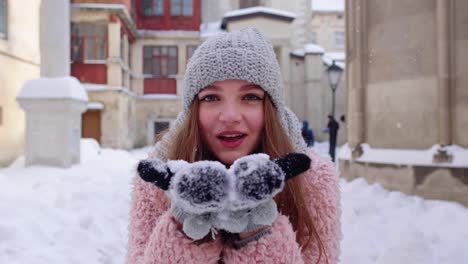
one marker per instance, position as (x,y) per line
(91,87)
(329,60)
(95,106)
(53,88)
(210,29)
(259,9)
(313,48)
(169,33)
(337,56)
(309,49)
(328,5)
(408,156)
(100,87)
(159,96)
(98,6)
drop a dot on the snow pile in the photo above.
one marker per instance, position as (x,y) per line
(80,215)
(389,227)
(76,215)
(89,150)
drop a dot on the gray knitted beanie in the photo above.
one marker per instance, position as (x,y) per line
(243,55)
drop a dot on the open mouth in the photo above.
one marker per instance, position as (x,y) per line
(231,137)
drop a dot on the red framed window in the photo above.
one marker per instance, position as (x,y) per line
(153,7)
(160,61)
(88,41)
(3,19)
(181,7)
(190,49)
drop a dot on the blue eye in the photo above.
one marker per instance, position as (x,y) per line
(252,97)
(209,98)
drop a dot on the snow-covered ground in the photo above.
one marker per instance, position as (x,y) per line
(80,215)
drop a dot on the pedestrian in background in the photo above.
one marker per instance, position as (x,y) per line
(332,129)
(307,134)
(310,138)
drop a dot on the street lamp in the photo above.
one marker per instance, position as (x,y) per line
(334,74)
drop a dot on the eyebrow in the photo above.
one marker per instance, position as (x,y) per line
(212,87)
(249,86)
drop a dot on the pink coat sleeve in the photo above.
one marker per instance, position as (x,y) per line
(323,198)
(154,235)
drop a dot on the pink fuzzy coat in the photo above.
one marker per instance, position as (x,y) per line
(154,236)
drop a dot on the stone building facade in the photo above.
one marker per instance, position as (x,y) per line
(130,55)
(134,105)
(328,26)
(406,74)
(19,61)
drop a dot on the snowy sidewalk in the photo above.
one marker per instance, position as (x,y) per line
(80,215)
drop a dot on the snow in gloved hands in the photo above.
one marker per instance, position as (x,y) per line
(206,196)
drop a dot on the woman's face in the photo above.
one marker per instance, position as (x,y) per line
(231,118)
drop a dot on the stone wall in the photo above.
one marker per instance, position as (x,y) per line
(441,183)
(154,110)
(118,124)
(406,87)
(406,79)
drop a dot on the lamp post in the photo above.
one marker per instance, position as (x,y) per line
(334,75)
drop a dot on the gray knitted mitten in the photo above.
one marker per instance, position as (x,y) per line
(205,196)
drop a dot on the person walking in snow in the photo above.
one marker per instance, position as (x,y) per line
(307,134)
(233,107)
(332,129)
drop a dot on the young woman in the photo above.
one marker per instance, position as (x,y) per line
(232,107)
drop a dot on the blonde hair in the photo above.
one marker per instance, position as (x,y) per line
(187,145)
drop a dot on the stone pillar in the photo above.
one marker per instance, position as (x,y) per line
(443,71)
(126,62)
(181,63)
(114,69)
(284,60)
(53,120)
(356,71)
(55,38)
(313,100)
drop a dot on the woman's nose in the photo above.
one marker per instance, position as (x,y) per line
(230,112)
